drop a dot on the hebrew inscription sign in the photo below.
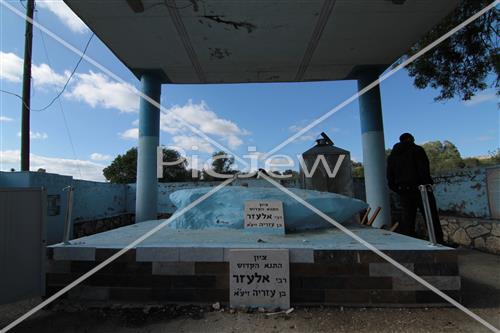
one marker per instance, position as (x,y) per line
(259,278)
(264,216)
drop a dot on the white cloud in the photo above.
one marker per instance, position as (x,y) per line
(130,134)
(5,119)
(483,138)
(187,142)
(175,121)
(99,157)
(36,135)
(482,98)
(294,128)
(63,166)
(308,136)
(312,134)
(11,67)
(65,14)
(97,89)
(201,117)
(43,76)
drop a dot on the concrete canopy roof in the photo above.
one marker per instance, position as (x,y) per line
(237,41)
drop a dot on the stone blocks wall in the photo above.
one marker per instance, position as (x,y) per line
(329,277)
(475,233)
(87,228)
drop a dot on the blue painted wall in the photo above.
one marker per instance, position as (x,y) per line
(466,192)
(92,200)
(53,185)
(95,200)
(463,192)
(14,179)
(165,189)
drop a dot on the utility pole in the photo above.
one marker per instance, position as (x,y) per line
(25,117)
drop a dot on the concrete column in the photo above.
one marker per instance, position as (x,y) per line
(374,161)
(149,129)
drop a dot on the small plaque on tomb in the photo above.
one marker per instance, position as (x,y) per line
(259,278)
(264,216)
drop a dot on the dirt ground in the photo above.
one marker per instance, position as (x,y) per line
(480,280)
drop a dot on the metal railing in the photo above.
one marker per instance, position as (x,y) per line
(69,211)
(424,189)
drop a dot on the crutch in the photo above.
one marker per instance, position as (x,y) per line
(424,189)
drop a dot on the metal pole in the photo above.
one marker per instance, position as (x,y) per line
(427,211)
(25,117)
(69,211)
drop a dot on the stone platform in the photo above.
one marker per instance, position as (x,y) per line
(326,267)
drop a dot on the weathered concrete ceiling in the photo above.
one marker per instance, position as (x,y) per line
(195,41)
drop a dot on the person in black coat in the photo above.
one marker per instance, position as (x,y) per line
(407,168)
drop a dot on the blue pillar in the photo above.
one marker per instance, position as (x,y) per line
(149,129)
(374,161)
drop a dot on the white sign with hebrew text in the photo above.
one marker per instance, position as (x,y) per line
(259,278)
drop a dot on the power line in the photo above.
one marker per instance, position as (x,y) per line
(70,139)
(69,78)
(65,85)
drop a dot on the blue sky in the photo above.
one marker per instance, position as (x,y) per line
(102,114)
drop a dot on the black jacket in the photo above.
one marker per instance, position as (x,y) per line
(407,167)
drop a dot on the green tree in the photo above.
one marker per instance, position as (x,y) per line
(358,171)
(222,163)
(443,156)
(460,65)
(295,174)
(176,172)
(471,162)
(494,157)
(123,169)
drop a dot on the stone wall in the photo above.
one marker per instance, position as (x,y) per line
(90,227)
(95,226)
(480,234)
(357,278)
(476,233)
(468,205)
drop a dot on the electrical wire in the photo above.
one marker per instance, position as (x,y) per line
(64,87)
(70,139)
(69,78)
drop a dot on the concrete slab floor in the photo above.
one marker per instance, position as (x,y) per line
(480,269)
(332,239)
